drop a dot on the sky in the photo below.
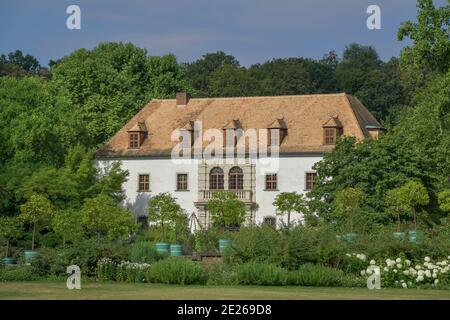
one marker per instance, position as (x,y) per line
(253,31)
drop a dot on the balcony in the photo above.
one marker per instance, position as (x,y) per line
(244,195)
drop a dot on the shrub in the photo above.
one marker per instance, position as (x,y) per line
(131,271)
(106,269)
(23,273)
(220,274)
(50,262)
(144,252)
(265,274)
(176,270)
(316,276)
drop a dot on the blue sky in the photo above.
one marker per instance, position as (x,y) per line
(251,30)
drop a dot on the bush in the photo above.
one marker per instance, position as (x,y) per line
(316,276)
(131,271)
(265,274)
(144,252)
(176,270)
(23,273)
(220,274)
(50,262)
(106,270)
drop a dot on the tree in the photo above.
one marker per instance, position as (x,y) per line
(430,51)
(409,197)
(68,224)
(199,71)
(38,209)
(231,81)
(164,210)
(348,204)
(103,217)
(18,65)
(444,200)
(10,229)
(226,210)
(288,202)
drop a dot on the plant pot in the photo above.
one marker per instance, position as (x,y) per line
(30,255)
(224,244)
(176,250)
(7,261)
(350,237)
(398,235)
(162,247)
(414,235)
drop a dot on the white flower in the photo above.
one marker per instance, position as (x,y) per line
(395,270)
(408,263)
(386,269)
(399,265)
(419,278)
(363,272)
(372,262)
(420,273)
(398,260)
(428,273)
(406,272)
(404,285)
(436,281)
(427,259)
(418,267)
(363,257)
(348,255)
(369,271)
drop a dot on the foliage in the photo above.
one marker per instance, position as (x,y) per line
(444,200)
(38,209)
(347,205)
(68,225)
(316,276)
(164,210)
(102,216)
(10,229)
(226,210)
(144,252)
(23,273)
(176,270)
(262,274)
(288,202)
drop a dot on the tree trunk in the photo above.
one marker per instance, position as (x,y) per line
(7,248)
(32,238)
(289,220)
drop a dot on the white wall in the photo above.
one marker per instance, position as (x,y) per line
(291,177)
(291,173)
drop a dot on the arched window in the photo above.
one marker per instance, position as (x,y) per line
(216,179)
(235,179)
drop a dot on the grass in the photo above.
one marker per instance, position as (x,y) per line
(93,290)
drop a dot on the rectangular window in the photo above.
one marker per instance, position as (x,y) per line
(329,136)
(271,181)
(182,182)
(270,221)
(311,179)
(144,183)
(134,141)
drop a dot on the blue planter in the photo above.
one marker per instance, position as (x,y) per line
(398,235)
(224,244)
(350,237)
(7,261)
(30,255)
(176,250)
(162,247)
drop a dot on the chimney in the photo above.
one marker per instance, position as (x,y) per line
(182,99)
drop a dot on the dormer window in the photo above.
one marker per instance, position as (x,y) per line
(137,135)
(332,130)
(230,133)
(276,132)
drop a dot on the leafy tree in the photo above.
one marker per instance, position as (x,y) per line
(164,210)
(68,224)
(10,229)
(103,217)
(444,200)
(288,202)
(18,65)
(38,209)
(348,204)
(226,210)
(199,71)
(431,48)
(109,84)
(410,196)
(231,81)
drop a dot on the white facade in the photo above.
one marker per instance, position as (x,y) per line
(291,176)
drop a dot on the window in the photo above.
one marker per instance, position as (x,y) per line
(271,181)
(311,179)
(330,135)
(216,179)
(270,221)
(273,138)
(236,179)
(134,140)
(144,182)
(182,182)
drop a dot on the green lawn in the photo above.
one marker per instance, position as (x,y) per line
(57,290)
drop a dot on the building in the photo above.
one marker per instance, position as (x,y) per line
(166,148)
